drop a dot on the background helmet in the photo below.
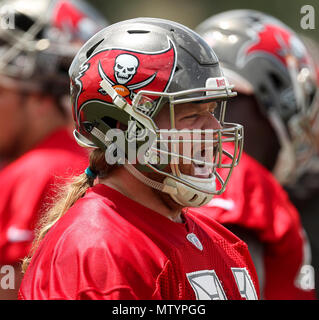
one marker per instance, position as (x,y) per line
(39,39)
(266,59)
(129,71)
(313,48)
(310,177)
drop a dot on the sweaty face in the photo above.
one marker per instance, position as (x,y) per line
(191,116)
(11,123)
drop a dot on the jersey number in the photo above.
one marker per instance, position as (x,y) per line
(207,286)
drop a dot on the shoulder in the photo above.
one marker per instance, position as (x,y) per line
(94,223)
(92,246)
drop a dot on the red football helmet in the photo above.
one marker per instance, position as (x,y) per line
(40,40)
(264,58)
(126,73)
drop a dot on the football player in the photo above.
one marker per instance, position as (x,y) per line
(121,231)
(306,198)
(37,149)
(272,72)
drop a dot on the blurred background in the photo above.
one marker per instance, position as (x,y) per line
(192,12)
(22,109)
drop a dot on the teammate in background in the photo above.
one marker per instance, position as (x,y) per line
(306,198)
(271,71)
(37,149)
(129,236)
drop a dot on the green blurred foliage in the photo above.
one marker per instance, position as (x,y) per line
(193,12)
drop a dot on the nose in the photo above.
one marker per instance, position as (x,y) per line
(210,139)
(211,123)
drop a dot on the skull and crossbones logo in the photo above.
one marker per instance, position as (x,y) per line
(125,68)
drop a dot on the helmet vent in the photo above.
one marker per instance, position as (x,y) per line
(24,23)
(90,51)
(202,202)
(193,198)
(137,31)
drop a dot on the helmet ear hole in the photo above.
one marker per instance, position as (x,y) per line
(88,126)
(112,123)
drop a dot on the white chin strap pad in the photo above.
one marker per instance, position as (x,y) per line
(189,197)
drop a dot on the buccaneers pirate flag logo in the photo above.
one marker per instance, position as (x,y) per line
(277,43)
(127,71)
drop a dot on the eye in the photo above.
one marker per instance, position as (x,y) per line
(215,111)
(191,116)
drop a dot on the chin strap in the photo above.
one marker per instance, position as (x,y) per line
(150,182)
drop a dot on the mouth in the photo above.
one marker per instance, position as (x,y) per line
(203,168)
(201,171)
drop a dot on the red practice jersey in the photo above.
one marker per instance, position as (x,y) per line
(27,184)
(255,201)
(108,246)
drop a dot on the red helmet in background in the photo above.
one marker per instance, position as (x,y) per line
(38,40)
(267,60)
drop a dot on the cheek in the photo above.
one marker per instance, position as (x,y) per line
(211,123)
(162,120)
(204,122)
(187,124)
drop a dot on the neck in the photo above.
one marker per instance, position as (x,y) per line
(122,181)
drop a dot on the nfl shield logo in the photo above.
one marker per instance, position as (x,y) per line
(191,237)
